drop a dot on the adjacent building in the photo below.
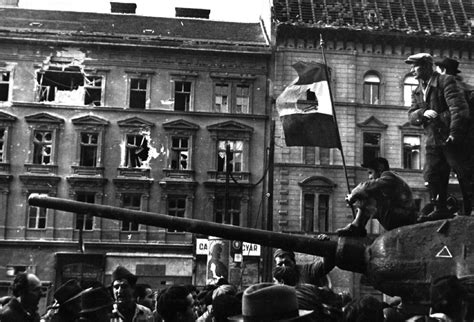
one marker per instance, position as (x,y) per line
(137,112)
(366,45)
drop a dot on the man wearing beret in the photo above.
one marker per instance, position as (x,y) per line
(439,105)
(125,308)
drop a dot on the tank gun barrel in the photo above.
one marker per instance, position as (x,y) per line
(297,243)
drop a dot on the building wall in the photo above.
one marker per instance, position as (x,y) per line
(109,182)
(349,59)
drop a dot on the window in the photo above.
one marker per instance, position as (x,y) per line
(371,147)
(309,213)
(85,222)
(409,85)
(138,93)
(179,153)
(242,99)
(182,96)
(89,149)
(93,90)
(42,147)
(131,201)
(221,98)
(371,89)
(234,159)
(2,144)
(37,217)
(4,85)
(136,150)
(233,211)
(312,154)
(176,208)
(411,152)
(232,97)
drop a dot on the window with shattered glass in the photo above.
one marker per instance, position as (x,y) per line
(136,150)
(131,201)
(179,153)
(89,149)
(42,147)
(4,85)
(234,159)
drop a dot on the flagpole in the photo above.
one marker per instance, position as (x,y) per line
(335,119)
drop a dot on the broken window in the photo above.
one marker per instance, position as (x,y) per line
(234,159)
(179,153)
(43,145)
(2,145)
(4,86)
(221,102)
(136,150)
(89,149)
(182,96)
(69,85)
(131,201)
(93,90)
(138,93)
(36,217)
(85,222)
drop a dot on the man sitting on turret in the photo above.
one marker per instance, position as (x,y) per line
(385,196)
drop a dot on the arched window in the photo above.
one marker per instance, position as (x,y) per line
(409,85)
(371,88)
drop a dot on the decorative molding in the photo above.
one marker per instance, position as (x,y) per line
(132,185)
(44,118)
(181,125)
(86,182)
(135,122)
(373,123)
(90,120)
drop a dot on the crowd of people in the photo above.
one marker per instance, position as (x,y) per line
(288,298)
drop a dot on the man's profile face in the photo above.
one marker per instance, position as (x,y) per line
(123,291)
(189,314)
(373,174)
(30,298)
(421,71)
(148,300)
(284,260)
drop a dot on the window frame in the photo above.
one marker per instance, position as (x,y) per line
(368,145)
(6,124)
(233,81)
(142,76)
(231,211)
(139,197)
(37,209)
(316,208)
(85,217)
(404,156)
(8,84)
(369,83)
(233,150)
(405,99)
(102,88)
(176,198)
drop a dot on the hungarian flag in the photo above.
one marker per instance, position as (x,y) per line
(306,111)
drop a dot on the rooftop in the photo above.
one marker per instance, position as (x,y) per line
(431,17)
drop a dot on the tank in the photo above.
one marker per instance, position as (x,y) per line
(401,262)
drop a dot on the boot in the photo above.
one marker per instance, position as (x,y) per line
(466,191)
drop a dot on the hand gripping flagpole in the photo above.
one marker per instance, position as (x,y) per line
(322,44)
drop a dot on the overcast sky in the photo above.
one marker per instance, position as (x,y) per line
(227,10)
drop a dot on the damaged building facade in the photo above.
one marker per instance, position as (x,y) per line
(367,43)
(127,111)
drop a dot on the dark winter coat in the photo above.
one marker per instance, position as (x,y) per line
(447,99)
(14,312)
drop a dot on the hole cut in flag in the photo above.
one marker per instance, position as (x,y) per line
(305,109)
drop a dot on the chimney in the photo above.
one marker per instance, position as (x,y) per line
(192,13)
(123,7)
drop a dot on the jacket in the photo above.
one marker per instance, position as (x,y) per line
(446,98)
(14,312)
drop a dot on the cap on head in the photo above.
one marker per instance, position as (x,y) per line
(121,273)
(377,164)
(281,252)
(67,292)
(450,64)
(419,59)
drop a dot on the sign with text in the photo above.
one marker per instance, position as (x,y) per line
(248,249)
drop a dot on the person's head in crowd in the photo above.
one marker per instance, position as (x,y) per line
(284,258)
(224,289)
(68,298)
(224,306)
(448,298)
(421,66)
(271,302)
(448,66)
(366,308)
(285,275)
(96,305)
(375,167)
(144,295)
(176,304)
(26,288)
(204,298)
(123,286)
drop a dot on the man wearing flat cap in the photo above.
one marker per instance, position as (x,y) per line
(385,196)
(125,308)
(439,105)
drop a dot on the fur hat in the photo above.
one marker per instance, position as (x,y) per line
(270,302)
(67,292)
(121,273)
(94,299)
(450,64)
